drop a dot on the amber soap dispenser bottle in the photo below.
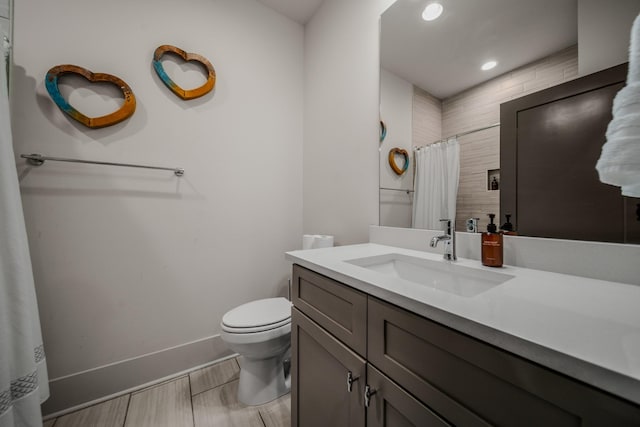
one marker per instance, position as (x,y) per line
(492,245)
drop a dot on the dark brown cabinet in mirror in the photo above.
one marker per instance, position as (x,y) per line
(549,144)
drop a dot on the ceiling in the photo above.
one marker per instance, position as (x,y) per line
(298,10)
(444,56)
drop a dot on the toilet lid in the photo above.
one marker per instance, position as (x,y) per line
(258,313)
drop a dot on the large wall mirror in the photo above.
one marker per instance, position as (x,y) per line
(433,89)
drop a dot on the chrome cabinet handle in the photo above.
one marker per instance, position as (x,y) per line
(368,392)
(350,381)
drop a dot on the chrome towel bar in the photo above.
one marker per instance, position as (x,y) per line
(397,189)
(39,159)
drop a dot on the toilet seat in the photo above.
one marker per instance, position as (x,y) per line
(255,329)
(257,316)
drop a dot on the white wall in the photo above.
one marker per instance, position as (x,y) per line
(341,116)
(427,118)
(130,261)
(396,101)
(604,29)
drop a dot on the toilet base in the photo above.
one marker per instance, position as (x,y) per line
(262,380)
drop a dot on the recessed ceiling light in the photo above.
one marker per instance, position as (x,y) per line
(488,65)
(432,11)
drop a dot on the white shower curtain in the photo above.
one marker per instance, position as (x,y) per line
(23,373)
(436,184)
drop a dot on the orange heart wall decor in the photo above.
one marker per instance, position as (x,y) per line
(392,160)
(126,110)
(184,94)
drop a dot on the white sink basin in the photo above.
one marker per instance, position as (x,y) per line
(442,275)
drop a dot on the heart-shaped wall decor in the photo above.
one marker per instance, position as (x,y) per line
(184,94)
(125,111)
(392,160)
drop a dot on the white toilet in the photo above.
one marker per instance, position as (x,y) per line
(260,331)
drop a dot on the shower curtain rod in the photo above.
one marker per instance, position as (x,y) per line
(39,159)
(459,135)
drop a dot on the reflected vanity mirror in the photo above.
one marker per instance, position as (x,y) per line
(438,103)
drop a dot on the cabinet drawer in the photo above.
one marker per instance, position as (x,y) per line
(391,406)
(338,308)
(469,382)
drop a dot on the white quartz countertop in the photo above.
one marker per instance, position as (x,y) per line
(585,328)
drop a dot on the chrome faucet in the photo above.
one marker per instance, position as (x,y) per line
(450,238)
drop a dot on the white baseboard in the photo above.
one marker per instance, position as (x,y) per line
(76,391)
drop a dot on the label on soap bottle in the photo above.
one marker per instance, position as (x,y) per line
(491,249)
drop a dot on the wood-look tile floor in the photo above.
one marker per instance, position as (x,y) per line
(203,398)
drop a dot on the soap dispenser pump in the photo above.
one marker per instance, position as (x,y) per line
(492,245)
(507,227)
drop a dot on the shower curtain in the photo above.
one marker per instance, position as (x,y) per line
(436,184)
(23,373)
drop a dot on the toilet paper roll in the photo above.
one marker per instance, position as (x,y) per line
(323,241)
(314,241)
(307,241)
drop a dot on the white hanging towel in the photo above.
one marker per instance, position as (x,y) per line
(619,162)
(23,370)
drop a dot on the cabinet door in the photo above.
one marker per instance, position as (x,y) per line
(391,406)
(320,368)
(550,142)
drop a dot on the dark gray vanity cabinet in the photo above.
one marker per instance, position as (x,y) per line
(416,372)
(329,372)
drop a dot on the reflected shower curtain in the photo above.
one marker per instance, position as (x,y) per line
(436,184)
(23,373)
